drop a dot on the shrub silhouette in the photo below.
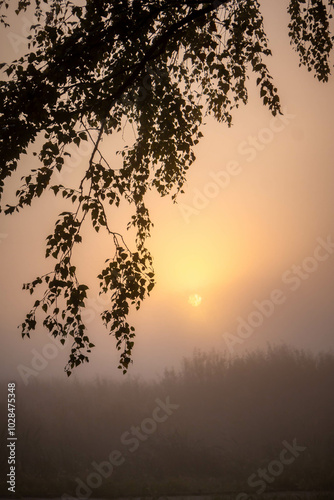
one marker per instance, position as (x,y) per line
(234,414)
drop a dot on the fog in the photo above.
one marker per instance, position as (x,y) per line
(248,373)
(254,424)
(256,202)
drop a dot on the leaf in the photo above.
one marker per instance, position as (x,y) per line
(87,74)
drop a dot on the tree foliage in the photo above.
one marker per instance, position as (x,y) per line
(162,66)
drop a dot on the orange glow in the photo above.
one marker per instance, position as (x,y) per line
(195,300)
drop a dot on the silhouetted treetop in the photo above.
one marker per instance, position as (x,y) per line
(161,66)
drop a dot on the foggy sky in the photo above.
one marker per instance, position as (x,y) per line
(257,200)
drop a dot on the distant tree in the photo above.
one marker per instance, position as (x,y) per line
(161,65)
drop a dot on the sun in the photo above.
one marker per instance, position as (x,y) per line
(195,300)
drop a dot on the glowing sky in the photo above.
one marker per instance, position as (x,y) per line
(257,199)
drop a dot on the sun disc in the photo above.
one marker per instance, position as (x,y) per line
(195,300)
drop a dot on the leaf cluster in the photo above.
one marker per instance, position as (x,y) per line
(161,66)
